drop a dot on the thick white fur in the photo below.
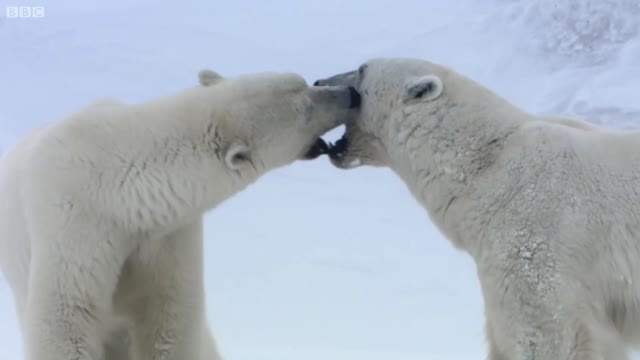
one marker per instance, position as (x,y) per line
(101,212)
(549,208)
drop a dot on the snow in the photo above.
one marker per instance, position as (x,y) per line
(314,262)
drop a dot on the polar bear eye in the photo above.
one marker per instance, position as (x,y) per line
(362,69)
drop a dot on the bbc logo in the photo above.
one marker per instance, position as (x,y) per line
(25,12)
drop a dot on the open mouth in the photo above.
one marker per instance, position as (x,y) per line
(319,148)
(335,151)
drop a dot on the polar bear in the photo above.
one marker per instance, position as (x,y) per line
(101,212)
(549,208)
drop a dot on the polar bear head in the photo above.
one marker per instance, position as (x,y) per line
(268,120)
(398,96)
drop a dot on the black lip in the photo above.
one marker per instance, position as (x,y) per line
(336,151)
(320,147)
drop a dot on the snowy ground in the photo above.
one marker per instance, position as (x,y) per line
(313,262)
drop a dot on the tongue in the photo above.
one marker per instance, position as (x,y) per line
(320,147)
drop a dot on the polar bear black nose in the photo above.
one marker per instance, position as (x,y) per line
(318,83)
(354,97)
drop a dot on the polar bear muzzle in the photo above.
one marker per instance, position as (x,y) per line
(349,78)
(348,98)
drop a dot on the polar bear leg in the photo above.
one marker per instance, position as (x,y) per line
(170,322)
(72,280)
(520,338)
(547,336)
(210,348)
(118,345)
(615,353)
(494,352)
(602,339)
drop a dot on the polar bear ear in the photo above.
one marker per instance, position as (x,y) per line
(236,156)
(208,77)
(424,88)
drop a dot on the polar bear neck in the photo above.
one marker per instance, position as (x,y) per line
(441,157)
(175,167)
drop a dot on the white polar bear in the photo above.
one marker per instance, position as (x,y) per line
(549,208)
(101,212)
